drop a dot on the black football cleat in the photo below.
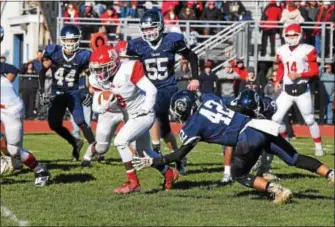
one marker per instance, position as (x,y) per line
(86,163)
(42,178)
(76,149)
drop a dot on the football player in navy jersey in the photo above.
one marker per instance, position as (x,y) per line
(208,120)
(66,62)
(249,103)
(157,51)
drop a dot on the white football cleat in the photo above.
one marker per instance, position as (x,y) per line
(331,177)
(227,179)
(281,194)
(6,165)
(319,151)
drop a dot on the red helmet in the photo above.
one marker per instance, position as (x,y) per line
(293,34)
(121,48)
(104,63)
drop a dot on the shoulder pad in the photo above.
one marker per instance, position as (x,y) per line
(50,50)
(174,36)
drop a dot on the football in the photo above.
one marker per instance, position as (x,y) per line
(105,96)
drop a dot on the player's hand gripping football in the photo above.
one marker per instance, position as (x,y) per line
(142,162)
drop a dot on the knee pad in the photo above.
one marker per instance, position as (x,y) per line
(101,148)
(13,150)
(309,119)
(247,180)
(307,163)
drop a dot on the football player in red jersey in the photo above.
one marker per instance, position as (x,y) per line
(297,64)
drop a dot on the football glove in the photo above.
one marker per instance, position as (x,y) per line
(139,113)
(44,98)
(87,101)
(141,162)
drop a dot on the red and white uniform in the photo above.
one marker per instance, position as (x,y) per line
(127,85)
(300,59)
(12,111)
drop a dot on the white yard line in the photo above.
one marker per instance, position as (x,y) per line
(5,212)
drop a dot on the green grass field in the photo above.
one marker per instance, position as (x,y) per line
(84,197)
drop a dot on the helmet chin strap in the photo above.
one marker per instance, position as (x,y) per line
(293,47)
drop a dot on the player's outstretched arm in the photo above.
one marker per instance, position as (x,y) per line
(178,155)
(193,59)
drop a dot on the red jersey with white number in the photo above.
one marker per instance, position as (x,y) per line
(123,86)
(297,60)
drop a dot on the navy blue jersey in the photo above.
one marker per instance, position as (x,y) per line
(66,69)
(7,68)
(159,61)
(213,123)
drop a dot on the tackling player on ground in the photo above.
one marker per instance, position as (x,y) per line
(297,64)
(157,50)
(66,63)
(207,120)
(12,111)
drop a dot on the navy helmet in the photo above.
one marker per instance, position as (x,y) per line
(2,33)
(183,104)
(152,25)
(269,107)
(70,37)
(247,102)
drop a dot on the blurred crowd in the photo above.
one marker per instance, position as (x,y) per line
(300,12)
(172,11)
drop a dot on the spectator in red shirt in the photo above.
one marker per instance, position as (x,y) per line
(326,13)
(72,12)
(167,6)
(112,26)
(240,69)
(271,13)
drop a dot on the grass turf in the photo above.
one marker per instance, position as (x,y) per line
(84,196)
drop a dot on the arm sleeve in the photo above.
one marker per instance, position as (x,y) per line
(280,70)
(175,156)
(95,104)
(193,59)
(142,82)
(311,59)
(131,49)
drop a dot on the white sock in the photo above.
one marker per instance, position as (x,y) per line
(38,168)
(227,170)
(154,142)
(318,145)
